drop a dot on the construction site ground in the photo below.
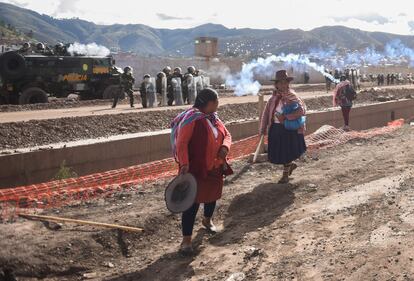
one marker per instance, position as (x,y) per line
(31,128)
(348,214)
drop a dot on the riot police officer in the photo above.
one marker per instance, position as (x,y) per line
(143,90)
(26,49)
(178,74)
(40,48)
(127,85)
(170,90)
(161,88)
(191,70)
(185,81)
(306,77)
(60,49)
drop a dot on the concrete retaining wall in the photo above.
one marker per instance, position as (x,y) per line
(123,151)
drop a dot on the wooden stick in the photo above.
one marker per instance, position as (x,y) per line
(259,146)
(258,149)
(261,107)
(57,219)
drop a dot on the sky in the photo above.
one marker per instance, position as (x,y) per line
(370,15)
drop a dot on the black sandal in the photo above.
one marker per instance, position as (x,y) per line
(186,250)
(287,171)
(293,167)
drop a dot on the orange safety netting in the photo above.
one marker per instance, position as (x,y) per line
(58,193)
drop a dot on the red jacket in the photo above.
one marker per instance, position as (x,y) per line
(212,148)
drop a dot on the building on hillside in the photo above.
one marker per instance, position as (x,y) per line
(206,47)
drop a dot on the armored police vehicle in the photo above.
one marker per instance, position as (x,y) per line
(32,78)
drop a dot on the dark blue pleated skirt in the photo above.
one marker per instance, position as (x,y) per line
(284,145)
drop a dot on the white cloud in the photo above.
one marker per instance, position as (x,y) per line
(162,16)
(66,7)
(370,18)
(18,3)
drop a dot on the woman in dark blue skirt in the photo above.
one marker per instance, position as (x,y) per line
(284,120)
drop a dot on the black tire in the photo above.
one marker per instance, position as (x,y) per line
(110,92)
(33,95)
(3,100)
(12,66)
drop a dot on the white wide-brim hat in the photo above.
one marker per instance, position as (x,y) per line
(181,193)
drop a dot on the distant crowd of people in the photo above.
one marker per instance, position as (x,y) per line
(168,88)
(355,78)
(391,79)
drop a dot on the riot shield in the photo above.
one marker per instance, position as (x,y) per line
(191,88)
(199,83)
(177,90)
(162,90)
(206,81)
(151,93)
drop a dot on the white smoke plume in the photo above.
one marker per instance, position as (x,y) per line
(244,82)
(218,72)
(395,52)
(93,50)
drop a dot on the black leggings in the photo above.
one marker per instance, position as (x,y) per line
(188,217)
(345,113)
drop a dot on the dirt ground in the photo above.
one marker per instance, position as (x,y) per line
(33,133)
(348,214)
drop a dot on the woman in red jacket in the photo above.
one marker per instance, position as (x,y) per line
(201,144)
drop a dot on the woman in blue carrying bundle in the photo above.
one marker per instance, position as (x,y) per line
(284,121)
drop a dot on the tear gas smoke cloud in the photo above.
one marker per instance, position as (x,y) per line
(244,82)
(92,49)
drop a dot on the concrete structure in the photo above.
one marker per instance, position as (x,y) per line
(206,47)
(91,156)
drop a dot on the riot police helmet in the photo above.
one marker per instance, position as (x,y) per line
(191,69)
(177,70)
(167,70)
(40,46)
(128,69)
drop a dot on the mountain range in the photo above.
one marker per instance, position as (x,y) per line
(145,40)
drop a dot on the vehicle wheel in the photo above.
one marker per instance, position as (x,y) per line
(33,95)
(3,100)
(12,65)
(111,91)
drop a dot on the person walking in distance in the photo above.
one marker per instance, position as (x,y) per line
(343,96)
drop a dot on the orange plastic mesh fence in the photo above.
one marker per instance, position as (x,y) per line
(58,193)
